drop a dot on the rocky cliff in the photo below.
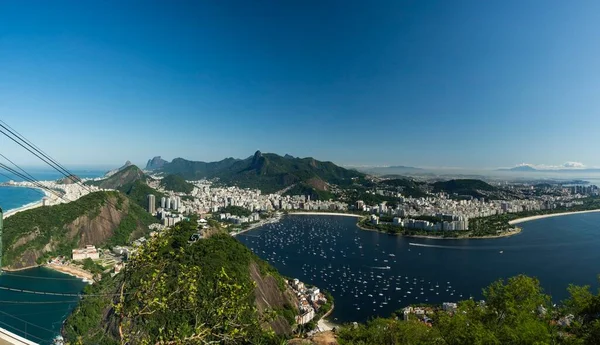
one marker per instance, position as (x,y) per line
(96,219)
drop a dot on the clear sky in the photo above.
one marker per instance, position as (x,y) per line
(420,83)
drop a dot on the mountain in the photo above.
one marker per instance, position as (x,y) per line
(268,172)
(527,168)
(138,192)
(114,171)
(176,292)
(98,218)
(463,187)
(176,183)
(68,179)
(155,163)
(521,168)
(122,177)
(192,170)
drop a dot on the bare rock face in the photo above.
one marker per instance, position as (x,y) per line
(155,163)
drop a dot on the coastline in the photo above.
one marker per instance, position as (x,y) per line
(542,216)
(326,214)
(324,325)
(28,206)
(513,232)
(72,271)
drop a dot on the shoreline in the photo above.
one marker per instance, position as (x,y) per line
(325,214)
(324,325)
(258,224)
(29,206)
(549,215)
(513,232)
(76,272)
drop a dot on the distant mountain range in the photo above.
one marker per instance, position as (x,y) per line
(527,168)
(268,172)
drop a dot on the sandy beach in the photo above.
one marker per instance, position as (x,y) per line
(72,271)
(28,206)
(542,216)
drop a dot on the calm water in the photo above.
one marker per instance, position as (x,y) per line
(334,254)
(36,317)
(14,197)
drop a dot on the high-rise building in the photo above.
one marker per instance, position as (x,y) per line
(151,203)
(163,202)
(168,204)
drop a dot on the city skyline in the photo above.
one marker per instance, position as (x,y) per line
(491,85)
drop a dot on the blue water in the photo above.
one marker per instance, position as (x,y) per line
(14,197)
(37,317)
(333,253)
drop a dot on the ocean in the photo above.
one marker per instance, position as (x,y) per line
(373,274)
(15,197)
(36,317)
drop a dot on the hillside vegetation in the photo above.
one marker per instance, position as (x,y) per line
(138,192)
(515,312)
(98,218)
(470,188)
(268,172)
(176,183)
(174,292)
(120,178)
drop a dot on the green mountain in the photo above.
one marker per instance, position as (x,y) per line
(120,178)
(268,172)
(176,183)
(474,188)
(138,192)
(213,291)
(100,218)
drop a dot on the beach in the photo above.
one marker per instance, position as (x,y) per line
(26,207)
(72,271)
(542,216)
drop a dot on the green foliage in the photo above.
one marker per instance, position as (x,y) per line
(389,331)
(86,324)
(176,183)
(138,192)
(236,211)
(91,266)
(515,312)
(267,172)
(182,293)
(493,225)
(120,178)
(463,187)
(407,187)
(35,228)
(315,194)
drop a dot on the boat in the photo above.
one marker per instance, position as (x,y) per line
(502,251)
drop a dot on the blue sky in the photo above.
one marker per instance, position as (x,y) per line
(421,83)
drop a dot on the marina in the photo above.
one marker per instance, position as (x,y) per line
(373,274)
